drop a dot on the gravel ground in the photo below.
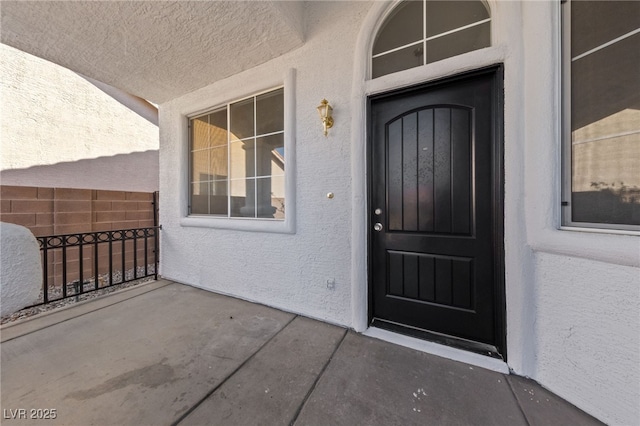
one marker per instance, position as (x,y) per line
(56,293)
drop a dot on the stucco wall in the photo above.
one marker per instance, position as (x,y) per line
(60,130)
(545,266)
(584,290)
(289,271)
(20,269)
(587,335)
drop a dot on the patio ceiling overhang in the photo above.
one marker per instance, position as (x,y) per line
(157,50)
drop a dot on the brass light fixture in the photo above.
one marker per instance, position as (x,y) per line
(325,110)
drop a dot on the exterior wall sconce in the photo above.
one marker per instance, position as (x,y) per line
(325,110)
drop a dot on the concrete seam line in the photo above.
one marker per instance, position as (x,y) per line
(513,392)
(315,382)
(223,381)
(82,314)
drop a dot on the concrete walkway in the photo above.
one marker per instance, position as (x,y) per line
(166,353)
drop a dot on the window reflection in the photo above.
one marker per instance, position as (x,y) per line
(239,173)
(605,112)
(442,29)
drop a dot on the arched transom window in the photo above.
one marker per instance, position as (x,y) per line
(424,31)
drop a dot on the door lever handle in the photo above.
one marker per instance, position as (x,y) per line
(378,227)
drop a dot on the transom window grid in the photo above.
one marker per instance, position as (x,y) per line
(601,123)
(420,32)
(244,157)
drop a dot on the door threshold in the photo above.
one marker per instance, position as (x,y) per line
(437,349)
(443,339)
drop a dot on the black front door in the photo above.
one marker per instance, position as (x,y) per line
(436,211)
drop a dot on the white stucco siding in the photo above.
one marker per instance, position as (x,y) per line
(583,291)
(60,130)
(20,268)
(289,271)
(587,335)
(158,50)
(561,314)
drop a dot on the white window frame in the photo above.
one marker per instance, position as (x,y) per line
(567,222)
(286,225)
(425,39)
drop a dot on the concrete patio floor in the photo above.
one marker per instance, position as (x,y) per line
(165,353)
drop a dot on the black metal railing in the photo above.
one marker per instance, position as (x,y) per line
(75,264)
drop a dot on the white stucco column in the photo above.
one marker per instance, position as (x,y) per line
(20,268)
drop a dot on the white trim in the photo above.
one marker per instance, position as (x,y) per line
(563,119)
(264,135)
(551,237)
(229,168)
(359,218)
(607,44)
(564,213)
(395,49)
(220,105)
(433,37)
(286,226)
(440,69)
(255,154)
(615,231)
(600,138)
(424,32)
(238,223)
(362,87)
(439,350)
(382,18)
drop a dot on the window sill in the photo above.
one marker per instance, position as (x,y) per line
(600,230)
(238,224)
(620,248)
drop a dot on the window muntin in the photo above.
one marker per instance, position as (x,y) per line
(239,173)
(442,29)
(602,108)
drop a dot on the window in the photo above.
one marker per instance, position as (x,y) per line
(421,32)
(237,159)
(602,114)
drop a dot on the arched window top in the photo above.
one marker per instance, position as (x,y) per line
(442,29)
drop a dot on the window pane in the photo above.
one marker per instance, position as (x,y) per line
(397,61)
(242,119)
(605,114)
(443,16)
(270,112)
(271,197)
(218,164)
(243,198)
(200,166)
(200,198)
(223,164)
(598,22)
(409,26)
(218,128)
(218,197)
(459,42)
(199,133)
(402,27)
(242,159)
(270,155)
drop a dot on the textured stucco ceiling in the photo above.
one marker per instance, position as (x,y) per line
(157,50)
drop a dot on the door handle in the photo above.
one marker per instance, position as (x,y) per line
(378,227)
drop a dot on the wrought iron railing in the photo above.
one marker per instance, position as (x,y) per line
(75,264)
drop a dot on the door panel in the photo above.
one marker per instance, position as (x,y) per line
(433,178)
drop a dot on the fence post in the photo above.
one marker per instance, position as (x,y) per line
(156,235)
